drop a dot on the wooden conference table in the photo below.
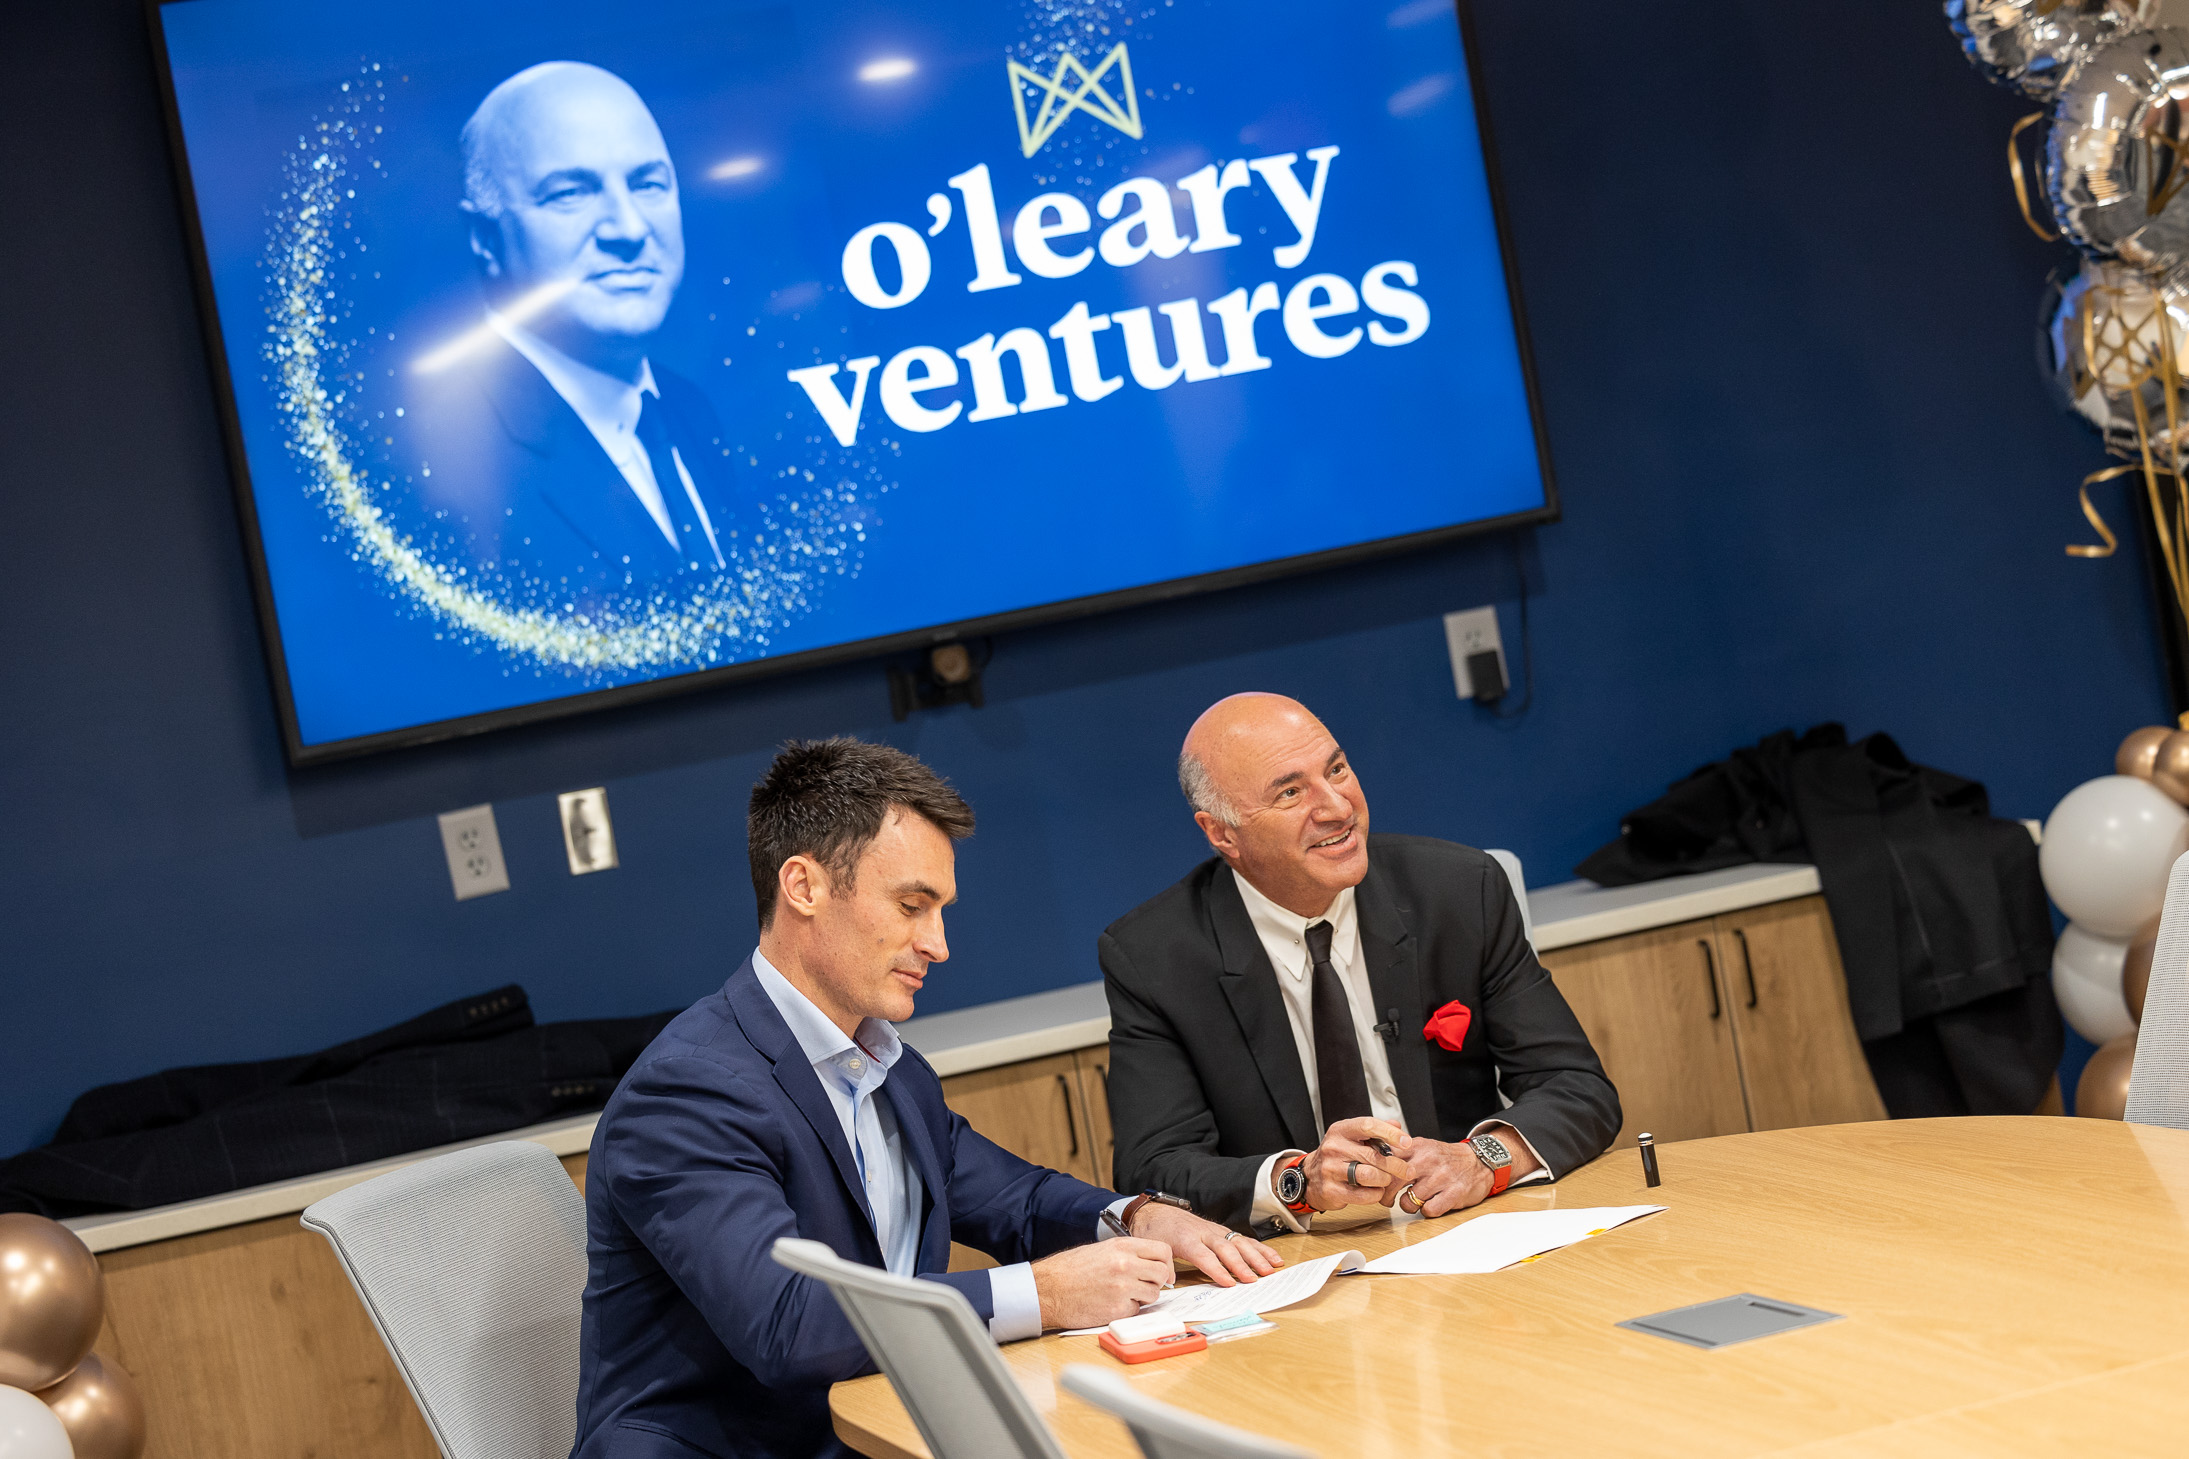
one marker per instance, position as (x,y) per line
(2009,1286)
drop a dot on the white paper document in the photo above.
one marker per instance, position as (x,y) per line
(1491,1243)
(1281,1288)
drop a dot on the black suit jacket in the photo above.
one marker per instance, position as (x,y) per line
(1205,1080)
(507,475)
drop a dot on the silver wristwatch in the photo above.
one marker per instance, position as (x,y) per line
(1492,1153)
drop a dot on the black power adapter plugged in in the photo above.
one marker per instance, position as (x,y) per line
(1486,675)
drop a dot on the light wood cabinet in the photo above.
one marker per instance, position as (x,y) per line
(1094,1087)
(1053,1111)
(1725,1024)
(1800,1059)
(1653,1005)
(1036,1110)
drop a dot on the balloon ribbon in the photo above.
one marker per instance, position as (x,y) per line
(2077,549)
(2021,186)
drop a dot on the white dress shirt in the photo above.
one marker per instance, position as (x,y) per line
(851,1071)
(1283,934)
(610,409)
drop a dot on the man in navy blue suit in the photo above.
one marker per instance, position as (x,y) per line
(784,1105)
(544,440)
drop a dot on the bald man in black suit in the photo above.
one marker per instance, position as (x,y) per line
(1312,990)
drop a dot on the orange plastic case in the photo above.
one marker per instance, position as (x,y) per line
(1188,1341)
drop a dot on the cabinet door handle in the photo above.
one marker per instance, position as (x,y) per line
(1071,1126)
(1710,976)
(1748,964)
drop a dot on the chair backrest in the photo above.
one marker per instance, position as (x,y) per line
(937,1353)
(473,1268)
(1164,1432)
(1511,863)
(2158,1086)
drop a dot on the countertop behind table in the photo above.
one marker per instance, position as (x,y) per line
(1005,1032)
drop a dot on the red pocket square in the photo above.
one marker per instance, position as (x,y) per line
(1448,1025)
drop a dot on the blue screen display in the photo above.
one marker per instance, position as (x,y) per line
(578,347)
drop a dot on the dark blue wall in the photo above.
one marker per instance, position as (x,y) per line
(1782,309)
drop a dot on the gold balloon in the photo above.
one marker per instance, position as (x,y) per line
(2102,1093)
(2136,968)
(99,1406)
(2136,753)
(2170,766)
(51,1299)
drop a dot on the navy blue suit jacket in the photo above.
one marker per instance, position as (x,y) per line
(507,475)
(718,1141)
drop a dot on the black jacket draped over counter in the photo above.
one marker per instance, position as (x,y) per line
(1942,921)
(474,1067)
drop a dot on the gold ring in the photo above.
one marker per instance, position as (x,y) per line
(1408,1195)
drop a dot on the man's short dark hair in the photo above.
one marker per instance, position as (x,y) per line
(828,799)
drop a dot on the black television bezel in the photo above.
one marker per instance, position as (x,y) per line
(301,755)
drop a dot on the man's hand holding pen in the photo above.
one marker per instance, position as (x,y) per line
(1359,1161)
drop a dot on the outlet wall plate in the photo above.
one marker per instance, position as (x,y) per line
(587,836)
(474,850)
(1473,631)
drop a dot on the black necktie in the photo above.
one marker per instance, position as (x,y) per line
(694,550)
(1338,1076)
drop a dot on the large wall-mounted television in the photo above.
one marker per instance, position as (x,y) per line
(574,354)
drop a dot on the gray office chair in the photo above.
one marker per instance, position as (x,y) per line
(472,1266)
(1164,1432)
(1511,863)
(938,1355)
(2158,1086)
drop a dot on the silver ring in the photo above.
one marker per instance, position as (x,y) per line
(1231,1236)
(1350,1167)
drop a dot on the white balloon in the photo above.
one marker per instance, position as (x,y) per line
(29,1429)
(2086,978)
(2107,850)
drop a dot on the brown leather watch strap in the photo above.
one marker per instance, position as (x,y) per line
(1132,1209)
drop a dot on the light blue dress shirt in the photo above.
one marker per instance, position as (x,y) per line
(850,1072)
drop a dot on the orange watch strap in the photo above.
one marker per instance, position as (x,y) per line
(1301,1206)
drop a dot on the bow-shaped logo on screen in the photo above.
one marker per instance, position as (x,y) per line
(1069,88)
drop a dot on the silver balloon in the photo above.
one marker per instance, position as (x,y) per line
(2118,159)
(2103,334)
(2032,45)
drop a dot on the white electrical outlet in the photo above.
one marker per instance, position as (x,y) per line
(587,836)
(474,851)
(1471,632)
